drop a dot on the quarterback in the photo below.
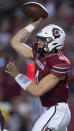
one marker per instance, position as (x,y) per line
(52,72)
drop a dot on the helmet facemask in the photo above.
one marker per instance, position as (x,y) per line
(45,47)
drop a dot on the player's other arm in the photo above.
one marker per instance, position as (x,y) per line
(17,42)
(46,84)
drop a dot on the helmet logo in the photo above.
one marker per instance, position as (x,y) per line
(46,33)
(56,33)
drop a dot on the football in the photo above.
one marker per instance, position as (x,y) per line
(34,10)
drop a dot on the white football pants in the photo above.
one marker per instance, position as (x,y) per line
(56,118)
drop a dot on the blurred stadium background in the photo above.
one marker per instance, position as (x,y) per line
(20,109)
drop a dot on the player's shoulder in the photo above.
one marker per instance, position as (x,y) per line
(59,63)
(59,59)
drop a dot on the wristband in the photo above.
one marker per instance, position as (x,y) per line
(29,28)
(23,81)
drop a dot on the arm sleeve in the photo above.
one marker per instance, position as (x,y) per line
(60,69)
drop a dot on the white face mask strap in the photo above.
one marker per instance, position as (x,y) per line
(46,48)
(23,81)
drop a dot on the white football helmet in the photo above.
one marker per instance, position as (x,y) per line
(54,35)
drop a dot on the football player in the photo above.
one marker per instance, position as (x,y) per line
(52,70)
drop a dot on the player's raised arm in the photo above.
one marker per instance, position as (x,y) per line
(17,42)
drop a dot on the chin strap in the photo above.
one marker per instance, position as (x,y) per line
(46,49)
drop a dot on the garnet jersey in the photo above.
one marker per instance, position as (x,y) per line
(56,64)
